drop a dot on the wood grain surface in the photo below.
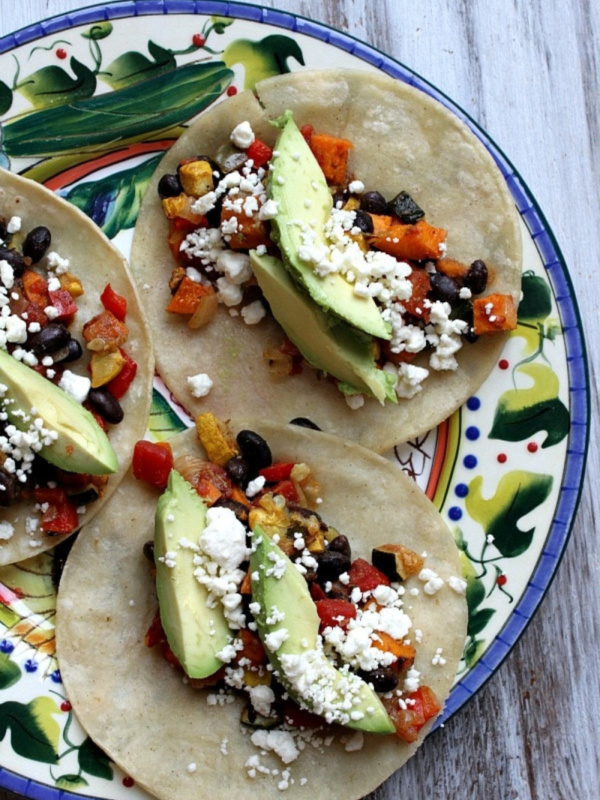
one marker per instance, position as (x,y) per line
(527,71)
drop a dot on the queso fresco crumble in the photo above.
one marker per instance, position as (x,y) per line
(220,208)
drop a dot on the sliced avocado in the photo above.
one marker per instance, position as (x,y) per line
(195,631)
(328,343)
(277,586)
(81,446)
(297,184)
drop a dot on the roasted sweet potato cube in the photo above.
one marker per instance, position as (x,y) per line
(494,313)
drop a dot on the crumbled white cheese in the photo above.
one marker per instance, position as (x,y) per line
(280,742)
(6,530)
(253,313)
(242,135)
(199,385)
(78,386)
(255,486)
(458,585)
(14,225)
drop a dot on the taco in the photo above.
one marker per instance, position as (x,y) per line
(177,734)
(74,346)
(409,308)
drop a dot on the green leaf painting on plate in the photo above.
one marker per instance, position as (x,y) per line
(163,422)
(34,733)
(478,617)
(132,67)
(52,85)
(263,58)
(10,672)
(107,120)
(521,413)
(517,494)
(93,760)
(113,202)
(6,98)
(71,782)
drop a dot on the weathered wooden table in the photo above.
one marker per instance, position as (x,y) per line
(528,72)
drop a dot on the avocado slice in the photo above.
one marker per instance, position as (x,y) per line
(328,343)
(277,586)
(195,631)
(297,184)
(81,446)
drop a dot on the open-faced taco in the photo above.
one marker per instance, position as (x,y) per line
(378,241)
(76,368)
(258,674)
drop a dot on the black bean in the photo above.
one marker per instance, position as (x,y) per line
(340,198)
(405,208)
(255,450)
(84,496)
(332,565)
(363,221)
(238,470)
(169,186)
(477,277)
(52,338)
(36,243)
(373,203)
(383,679)
(148,550)
(9,490)
(74,351)
(444,288)
(15,259)
(304,422)
(106,405)
(341,545)
(3,231)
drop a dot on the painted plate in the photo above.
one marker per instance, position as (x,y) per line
(505,470)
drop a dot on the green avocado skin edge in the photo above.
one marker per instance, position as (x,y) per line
(298,186)
(81,445)
(327,343)
(289,594)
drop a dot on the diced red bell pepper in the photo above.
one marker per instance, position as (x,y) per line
(259,152)
(307,131)
(335,613)
(365,576)
(152,462)
(287,490)
(277,472)
(59,515)
(114,302)
(119,385)
(64,304)
(422,705)
(317,592)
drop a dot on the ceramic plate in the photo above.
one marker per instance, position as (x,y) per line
(505,470)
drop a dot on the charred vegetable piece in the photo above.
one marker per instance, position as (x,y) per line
(405,208)
(228,158)
(216,439)
(396,561)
